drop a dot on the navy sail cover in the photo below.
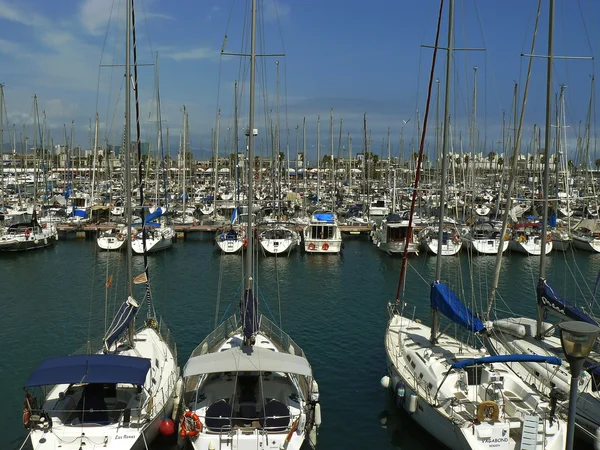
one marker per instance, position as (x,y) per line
(94,368)
(550,300)
(443,299)
(507,358)
(249,312)
(121,321)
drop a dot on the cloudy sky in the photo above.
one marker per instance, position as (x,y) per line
(352,56)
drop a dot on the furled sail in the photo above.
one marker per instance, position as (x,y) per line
(121,321)
(550,301)
(443,299)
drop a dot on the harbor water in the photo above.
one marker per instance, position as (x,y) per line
(56,300)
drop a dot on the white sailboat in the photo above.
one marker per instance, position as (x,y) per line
(278,238)
(117,397)
(248,385)
(454,390)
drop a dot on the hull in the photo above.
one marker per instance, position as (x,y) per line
(450,248)
(230,246)
(529,247)
(20,244)
(323,246)
(397,248)
(485,246)
(587,245)
(111,243)
(277,246)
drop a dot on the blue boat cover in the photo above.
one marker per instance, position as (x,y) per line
(324,217)
(234,215)
(443,299)
(249,312)
(507,358)
(95,368)
(121,321)
(155,215)
(79,213)
(548,299)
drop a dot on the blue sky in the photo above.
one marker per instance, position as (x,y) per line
(354,56)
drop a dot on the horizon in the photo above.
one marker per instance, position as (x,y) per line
(361,58)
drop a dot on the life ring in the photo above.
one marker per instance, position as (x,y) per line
(506,236)
(27,233)
(456,239)
(245,242)
(522,239)
(325,247)
(120,236)
(197,424)
(311,246)
(27,407)
(133,237)
(548,238)
(488,410)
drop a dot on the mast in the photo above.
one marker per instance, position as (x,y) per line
(127,139)
(547,139)
(2,139)
(445,142)
(95,155)
(318,159)
(249,302)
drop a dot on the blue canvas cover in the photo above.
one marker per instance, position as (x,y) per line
(549,300)
(324,217)
(95,368)
(79,213)
(444,300)
(155,215)
(507,358)
(249,312)
(121,321)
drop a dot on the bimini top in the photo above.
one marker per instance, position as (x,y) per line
(507,358)
(94,368)
(247,359)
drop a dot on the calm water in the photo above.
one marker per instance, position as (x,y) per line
(55,300)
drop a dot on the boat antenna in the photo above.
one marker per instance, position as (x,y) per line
(419,161)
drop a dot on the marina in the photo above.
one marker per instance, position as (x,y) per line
(288,287)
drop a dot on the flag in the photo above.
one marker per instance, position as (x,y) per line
(109,281)
(140,279)
(233,216)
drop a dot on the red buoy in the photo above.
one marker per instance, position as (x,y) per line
(167,427)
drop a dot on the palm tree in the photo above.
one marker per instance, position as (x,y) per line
(500,162)
(491,156)
(597,163)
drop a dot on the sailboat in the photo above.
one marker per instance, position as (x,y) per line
(537,337)
(117,397)
(248,385)
(454,390)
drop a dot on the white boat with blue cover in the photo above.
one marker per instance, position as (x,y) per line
(322,234)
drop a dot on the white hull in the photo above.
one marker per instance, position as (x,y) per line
(589,245)
(230,246)
(157,240)
(161,381)
(447,409)
(485,246)
(450,248)
(323,246)
(530,247)
(36,239)
(397,248)
(278,246)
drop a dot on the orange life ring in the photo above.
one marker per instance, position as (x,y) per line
(197,425)
(325,246)
(27,233)
(548,238)
(311,246)
(456,238)
(245,242)
(120,236)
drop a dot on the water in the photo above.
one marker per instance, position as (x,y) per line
(333,307)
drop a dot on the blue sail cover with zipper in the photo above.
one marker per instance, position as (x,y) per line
(121,321)
(549,300)
(444,300)
(249,312)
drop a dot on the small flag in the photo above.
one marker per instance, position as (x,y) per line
(140,279)
(109,281)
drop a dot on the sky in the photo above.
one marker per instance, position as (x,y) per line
(349,56)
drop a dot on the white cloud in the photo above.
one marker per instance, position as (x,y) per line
(29,18)
(95,15)
(187,55)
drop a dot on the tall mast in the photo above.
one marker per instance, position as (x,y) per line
(445,142)
(249,252)
(2,139)
(127,139)
(547,139)
(318,159)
